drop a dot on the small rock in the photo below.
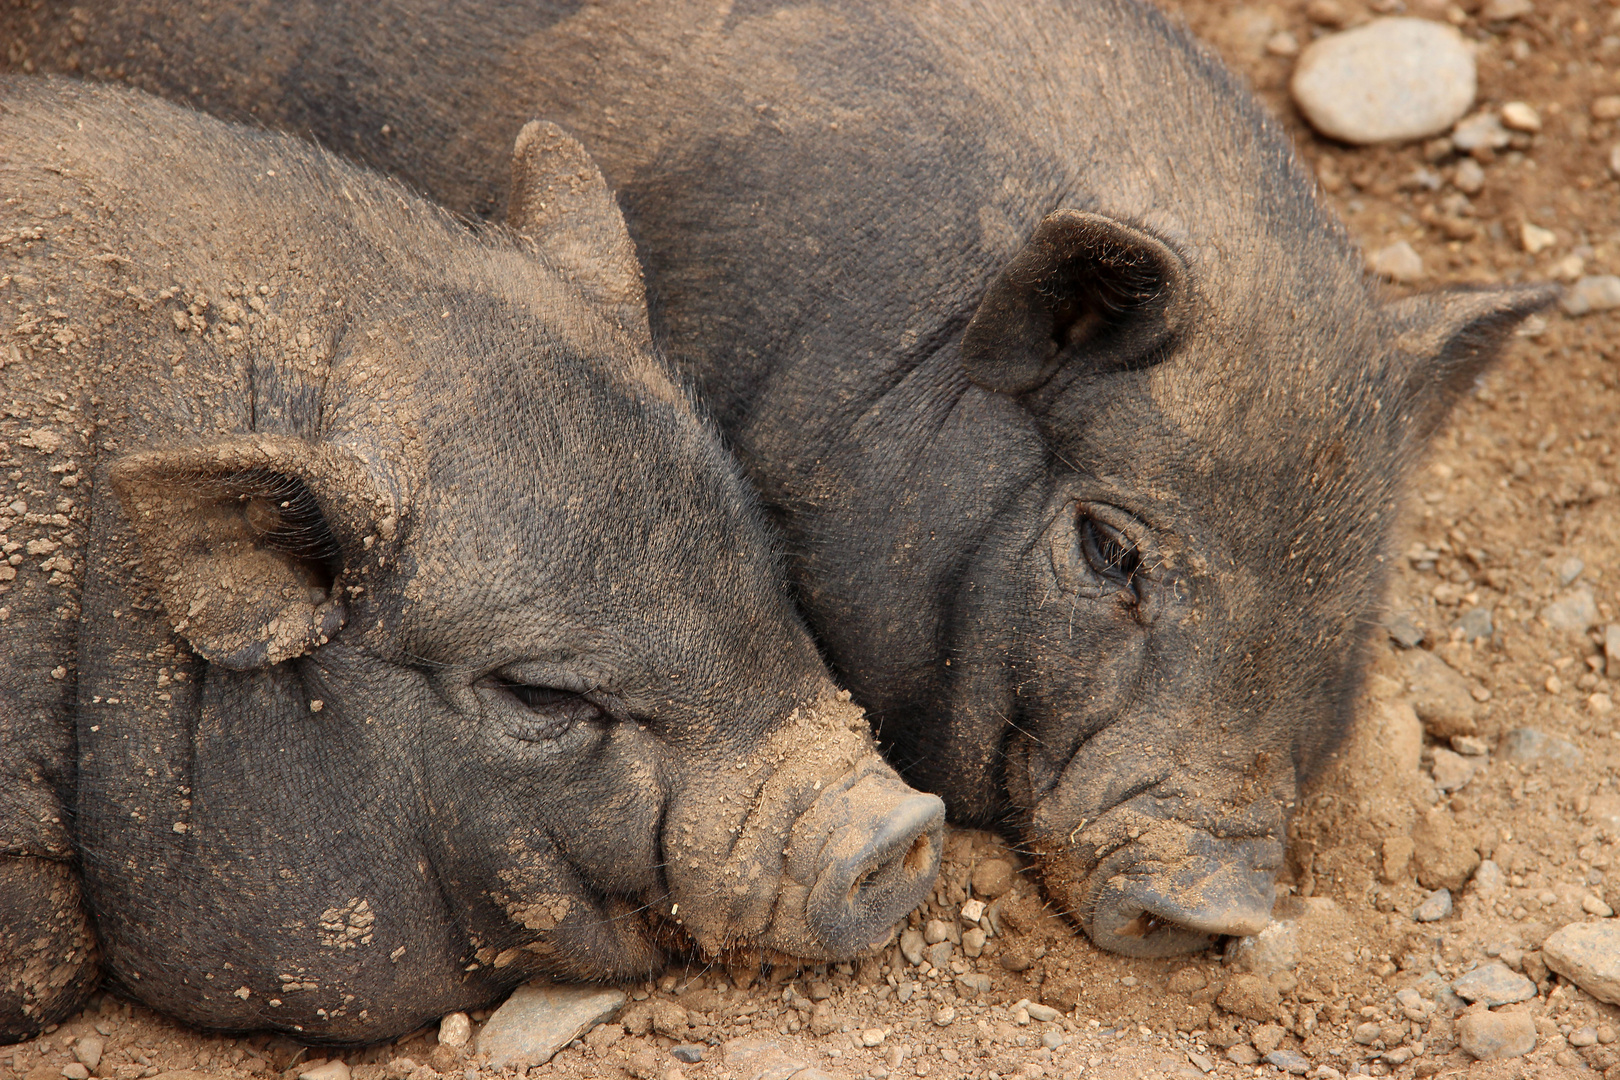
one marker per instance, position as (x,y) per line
(992,878)
(88,1051)
(541,1018)
(1289,1061)
(455,1030)
(1528,744)
(1518,116)
(1327,13)
(1503,10)
(1470,745)
(1611,650)
(1476,624)
(939,954)
(973,943)
(1275,948)
(1391,80)
(1489,879)
(1444,856)
(1575,610)
(1468,177)
(944,1016)
(911,946)
(1052,1040)
(1043,1013)
(1534,239)
(1593,906)
(1588,955)
(326,1070)
(1267,1037)
(1442,698)
(1452,771)
(973,911)
(1570,569)
(1404,630)
(1250,996)
(973,983)
(1435,906)
(1606,107)
(75,1070)
(1398,262)
(1586,1036)
(1606,1034)
(688,1053)
(756,1058)
(1491,1036)
(1480,132)
(1282,43)
(1600,292)
(1368,1033)
(935,931)
(820,991)
(1203,1062)
(1494,984)
(1242,1054)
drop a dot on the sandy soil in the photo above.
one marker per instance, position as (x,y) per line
(1521,487)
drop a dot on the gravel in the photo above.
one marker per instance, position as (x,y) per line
(1391,80)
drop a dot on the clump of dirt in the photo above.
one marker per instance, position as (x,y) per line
(1512,545)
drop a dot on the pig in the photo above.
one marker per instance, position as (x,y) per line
(380,625)
(1084,426)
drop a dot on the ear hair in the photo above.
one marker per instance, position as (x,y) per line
(246,537)
(1086,290)
(1453,335)
(560,201)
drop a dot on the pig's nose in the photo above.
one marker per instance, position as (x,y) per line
(877,864)
(1145,906)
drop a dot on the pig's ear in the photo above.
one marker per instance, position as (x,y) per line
(1448,338)
(245,539)
(1085,291)
(560,201)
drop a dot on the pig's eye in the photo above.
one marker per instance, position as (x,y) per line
(547,713)
(1110,554)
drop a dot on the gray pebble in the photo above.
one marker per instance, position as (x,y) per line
(1571,568)
(1289,1061)
(1488,878)
(1476,624)
(1611,650)
(690,1053)
(540,1019)
(1482,131)
(1528,744)
(1494,984)
(1404,630)
(939,954)
(1452,771)
(1600,292)
(1390,80)
(1435,906)
(911,946)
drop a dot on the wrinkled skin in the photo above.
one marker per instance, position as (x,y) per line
(1083,424)
(390,629)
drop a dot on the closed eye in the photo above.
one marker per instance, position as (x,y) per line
(544,713)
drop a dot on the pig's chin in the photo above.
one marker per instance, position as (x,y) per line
(1172,889)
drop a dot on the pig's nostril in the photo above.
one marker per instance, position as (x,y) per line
(876,867)
(920,859)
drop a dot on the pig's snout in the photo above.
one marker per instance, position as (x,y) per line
(1142,904)
(877,861)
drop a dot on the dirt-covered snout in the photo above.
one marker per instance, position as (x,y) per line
(807,844)
(1156,844)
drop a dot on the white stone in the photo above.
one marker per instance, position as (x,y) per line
(455,1029)
(1398,262)
(541,1018)
(872,1037)
(1489,878)
(1452,771)
(1275,948)
(326,1070)
(1482,131)
(1574,610)
(1468,177)
(1593,906)
(1502,10)
(1534,239)
(1390,80)
(973,910)
(1597,292)
(1518,116)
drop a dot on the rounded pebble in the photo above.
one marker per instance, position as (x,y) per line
(992,878)
(1398,262)
(455,1029)
(1518,116)
(1491,1036)
(1435,906)
(872,1037)
(1391,80)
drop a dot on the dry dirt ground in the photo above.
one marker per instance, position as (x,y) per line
(1517,507)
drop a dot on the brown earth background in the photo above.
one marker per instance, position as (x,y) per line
(1521,487)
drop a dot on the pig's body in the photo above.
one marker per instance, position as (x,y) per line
(388,630)
(1084,426)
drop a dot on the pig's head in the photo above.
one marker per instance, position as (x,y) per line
(488,673)
(1199,566)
